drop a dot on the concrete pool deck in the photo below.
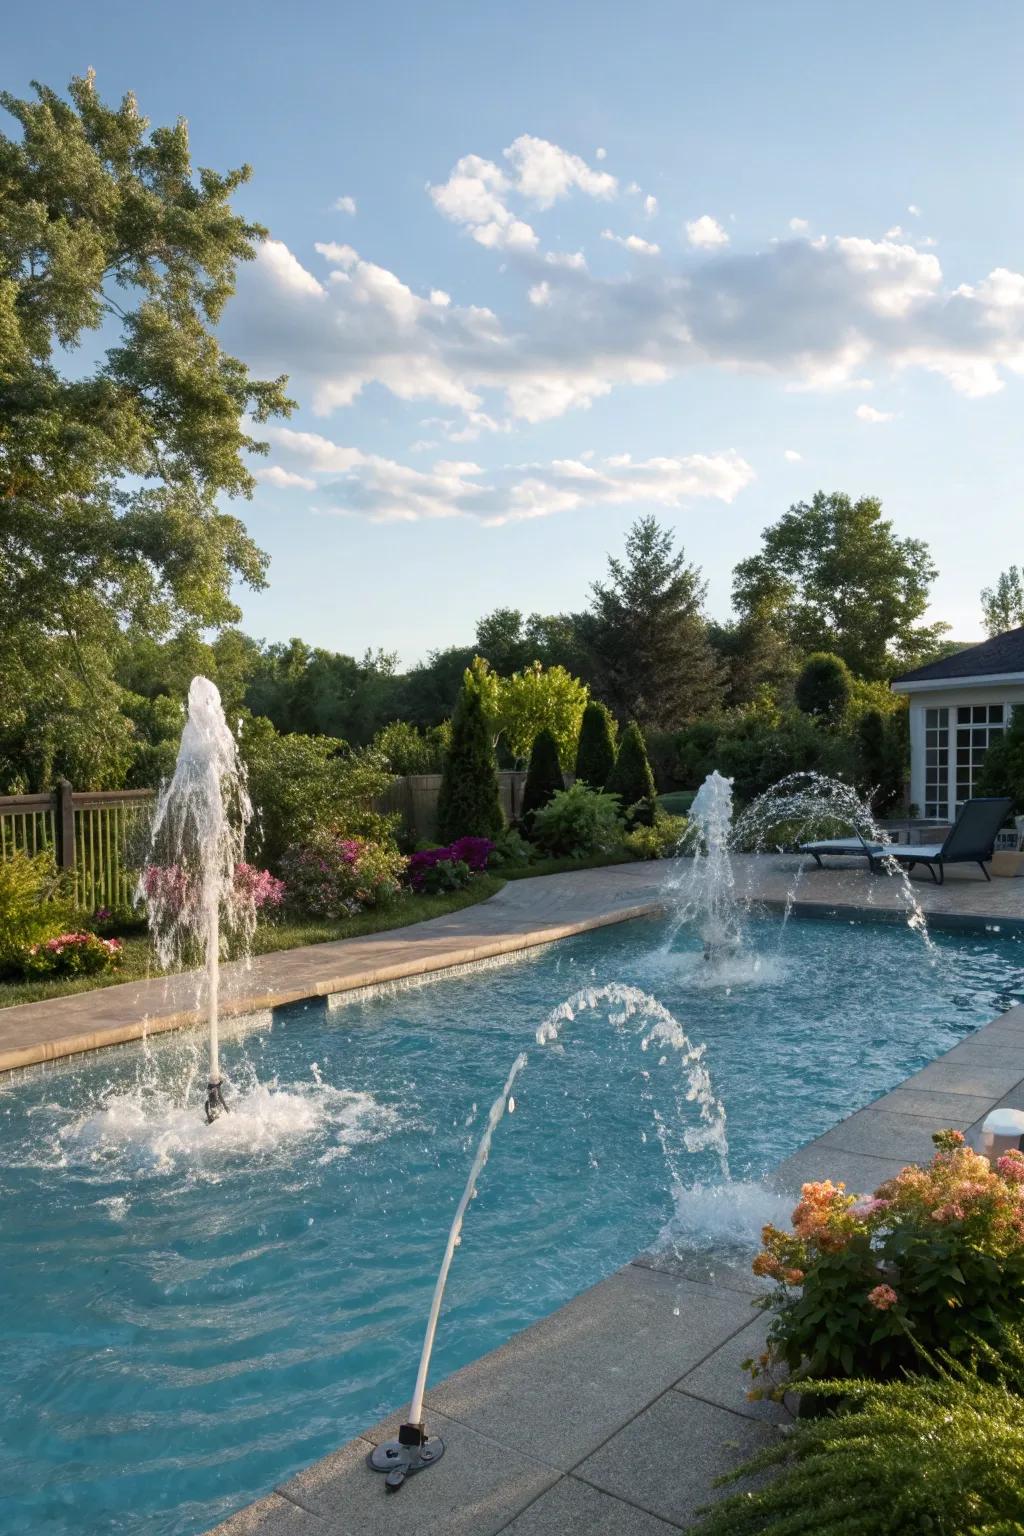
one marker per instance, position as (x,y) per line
(615,1414)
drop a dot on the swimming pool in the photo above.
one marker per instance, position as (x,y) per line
(190,1314)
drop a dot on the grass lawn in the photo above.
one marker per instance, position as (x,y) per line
(565,866)
(138,961)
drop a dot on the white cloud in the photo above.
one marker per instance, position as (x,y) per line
(440,298)
(869,413)
(600,154)
(544,172)
(632,243)
(792,456)
(815,313)
(650,205)
(345,205)
(799,226)
(896,233)
(285,271)
(540,294)
(913,210)
(388,491)
(273,474)
(706,232)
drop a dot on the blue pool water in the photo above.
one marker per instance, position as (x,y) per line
(191,1314)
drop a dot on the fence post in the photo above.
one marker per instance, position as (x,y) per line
(64,806)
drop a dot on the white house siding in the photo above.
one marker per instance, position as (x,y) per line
(953,698)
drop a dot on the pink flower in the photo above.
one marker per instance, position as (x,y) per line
(883,1297)
(1011,1166)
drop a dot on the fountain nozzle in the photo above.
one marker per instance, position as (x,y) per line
(412,1452)
(215,1103)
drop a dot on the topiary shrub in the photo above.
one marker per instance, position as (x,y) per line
(823,688)
(578,822)
(543,776)
(595,754)
(468,804)
(881,759)
(631,778)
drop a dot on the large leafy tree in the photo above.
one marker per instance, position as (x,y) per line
(832,575)
(122,421)
(650,656)
(1002,606)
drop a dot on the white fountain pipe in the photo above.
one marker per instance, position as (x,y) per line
(497,1110)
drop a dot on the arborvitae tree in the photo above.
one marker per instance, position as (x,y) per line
(544,775)
(881,759)
(468,804)
(631,778)
(595,755)
(823,688)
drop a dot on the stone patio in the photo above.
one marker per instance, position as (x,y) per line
(615,1414)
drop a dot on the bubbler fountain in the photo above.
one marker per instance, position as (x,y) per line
(189,883)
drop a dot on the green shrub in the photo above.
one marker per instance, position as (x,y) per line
(918,1457)
(70,954)
(595,753)
(543,776)
(468,804)
(934,1260)
(405,749)
(444,876)
(696,752)
(823,688)
(756,753)
(510,848)
(306,787)
(34,904)
(658,841)
(631,778)
(578,822)
(678,802)
(881,758)
(334,876)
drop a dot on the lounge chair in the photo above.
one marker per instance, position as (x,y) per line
(970,841)
(844,846)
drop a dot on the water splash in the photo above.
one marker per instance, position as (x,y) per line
(702,887)
(189,884)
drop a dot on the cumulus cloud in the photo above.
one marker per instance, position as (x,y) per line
(792,456)
(345,205)
(706,232)
(815,313)
(799,226)
(600,154)
(274,474)
(913,210)
(632,243)
(353,482)
(650,205)
(869,413)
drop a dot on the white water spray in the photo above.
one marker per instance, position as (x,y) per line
(198,835)
(704,886)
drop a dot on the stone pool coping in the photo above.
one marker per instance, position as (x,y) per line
(616,1413)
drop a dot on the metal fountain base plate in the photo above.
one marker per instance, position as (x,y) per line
(398,1461)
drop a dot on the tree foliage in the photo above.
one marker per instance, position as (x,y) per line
(833,576)
(631,778)
(1002,606)
(823,688)
(649,652)
(1002,772)
(595,752)
(468,803)
(543,777)
(540,699)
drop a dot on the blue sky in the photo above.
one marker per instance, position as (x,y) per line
(822,286)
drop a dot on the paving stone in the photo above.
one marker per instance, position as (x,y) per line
(559,1388)
(272,1516)
(881,1133)
(965,1077)
(704,1268)
(941,1109)
(667,1459)
(721,1379)
(574,1508)
(474,1490)
(859,1172)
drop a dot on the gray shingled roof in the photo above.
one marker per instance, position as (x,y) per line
(1004,653)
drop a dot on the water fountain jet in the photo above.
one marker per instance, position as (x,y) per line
(196,845)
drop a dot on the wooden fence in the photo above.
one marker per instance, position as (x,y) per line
(415,800)
(96,837)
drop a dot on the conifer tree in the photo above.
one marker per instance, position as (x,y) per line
(544,775)
(595,754)
(631,778)
(469,804)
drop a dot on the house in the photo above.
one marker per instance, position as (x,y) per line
(958,707)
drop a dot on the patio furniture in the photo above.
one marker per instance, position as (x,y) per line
(844,846)
(970,841)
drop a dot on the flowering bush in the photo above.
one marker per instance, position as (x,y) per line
(337,875)
(166,887)
(450,868)
(71,954)
(658,841)
(933,1260)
